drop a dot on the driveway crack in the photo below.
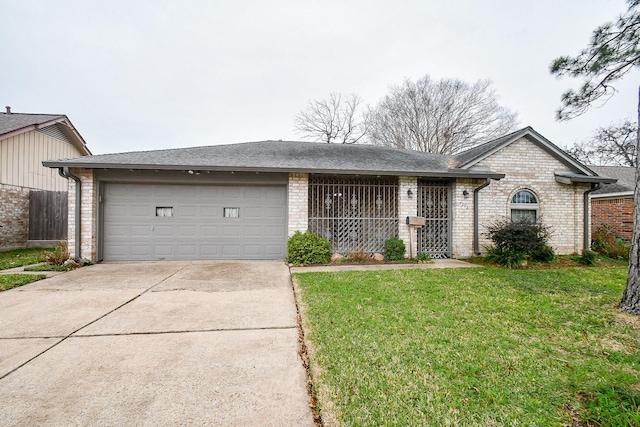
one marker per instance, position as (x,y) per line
(64,338)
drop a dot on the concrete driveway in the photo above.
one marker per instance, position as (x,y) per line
(149,344)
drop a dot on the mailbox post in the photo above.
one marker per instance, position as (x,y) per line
(414,222)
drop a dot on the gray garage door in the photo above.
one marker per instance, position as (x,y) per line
(181,222)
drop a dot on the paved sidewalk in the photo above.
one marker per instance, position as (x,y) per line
(150,344)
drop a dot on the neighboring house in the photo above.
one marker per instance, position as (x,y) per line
(613,203)
(25,141)
(242,201)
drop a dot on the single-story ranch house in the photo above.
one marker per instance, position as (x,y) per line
(242,201)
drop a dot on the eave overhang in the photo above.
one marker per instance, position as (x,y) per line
(574,178)
(449,173)
(619,195)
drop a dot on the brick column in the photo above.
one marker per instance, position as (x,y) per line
(88,215)
(407,206)
(298,198)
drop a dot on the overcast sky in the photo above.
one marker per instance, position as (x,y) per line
(153,74)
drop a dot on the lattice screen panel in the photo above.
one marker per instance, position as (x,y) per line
(355,214)
(435,236)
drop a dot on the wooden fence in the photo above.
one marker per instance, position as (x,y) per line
(48,215)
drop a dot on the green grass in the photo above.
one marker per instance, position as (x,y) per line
(8,281)
(20,257)
(482,346)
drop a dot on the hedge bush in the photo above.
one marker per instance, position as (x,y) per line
(519,240)
(307,248)
(605,241)
(394,249)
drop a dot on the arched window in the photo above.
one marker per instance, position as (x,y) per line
(524,206)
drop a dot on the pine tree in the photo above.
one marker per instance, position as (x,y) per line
(613,51)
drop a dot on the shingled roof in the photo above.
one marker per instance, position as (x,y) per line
(625,175)
(283,156)
(16,123)
(10,122)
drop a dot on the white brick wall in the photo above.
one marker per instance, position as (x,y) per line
(529,167)
(87,214)
(298,194)
(407,207)
(462,217)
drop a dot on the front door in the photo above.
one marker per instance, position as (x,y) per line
(434,238)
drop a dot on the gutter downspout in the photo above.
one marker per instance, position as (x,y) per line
(65,173)
(587,215)
(476,226)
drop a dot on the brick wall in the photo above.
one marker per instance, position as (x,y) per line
(617,213)
(298,204)
(529,167)
(88,215)
(407,206)
(462,217)
(14,217)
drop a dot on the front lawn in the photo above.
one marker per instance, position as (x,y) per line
(8,281)
(482,346)
(20,257)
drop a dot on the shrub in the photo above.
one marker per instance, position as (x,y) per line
(543,254)
(307,248)
(519,241)
(59,255)
(587,258)
(509,257)
(424,257)
(394,249)
(605,241)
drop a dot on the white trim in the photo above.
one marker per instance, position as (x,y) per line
(624,194)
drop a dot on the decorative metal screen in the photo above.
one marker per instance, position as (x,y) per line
(355,214)
(435,236)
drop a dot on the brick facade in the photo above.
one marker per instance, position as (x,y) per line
(407,206)
(14,217)
(526,166)
(462,217)
(529,167)
(617,213)
(88,214)
(298,204)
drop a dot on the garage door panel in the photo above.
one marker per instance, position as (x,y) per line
(187,211)
(231,250)
(163,231)
(140,250)
(195,226)
(274,212)
(140,231)
(274,231)
(187,232)
(209,231)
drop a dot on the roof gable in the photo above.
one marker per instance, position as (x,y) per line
(469,158)
(12,124)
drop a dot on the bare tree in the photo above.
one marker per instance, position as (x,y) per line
(613,146)
(445,116)
(334,120)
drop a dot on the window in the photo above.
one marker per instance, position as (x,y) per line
(164,211)
(524,206)
(232,212)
